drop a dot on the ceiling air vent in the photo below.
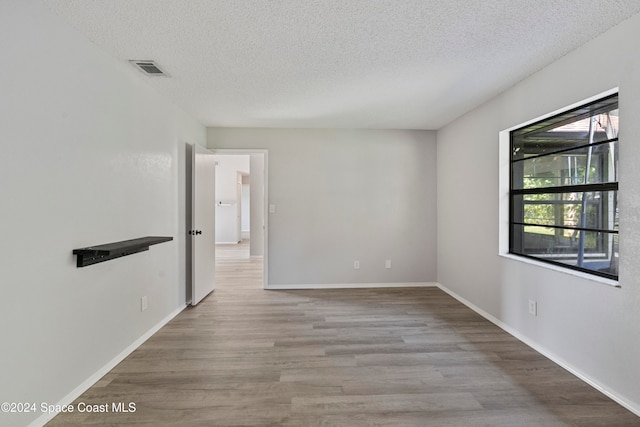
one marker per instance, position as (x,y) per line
(150,68)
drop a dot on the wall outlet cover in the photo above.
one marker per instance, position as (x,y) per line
(533,307)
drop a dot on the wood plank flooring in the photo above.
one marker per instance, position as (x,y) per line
(357,357)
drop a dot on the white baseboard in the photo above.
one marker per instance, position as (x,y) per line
(69,398)
(548,354)
(352,285)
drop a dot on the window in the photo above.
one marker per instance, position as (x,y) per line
(563,193)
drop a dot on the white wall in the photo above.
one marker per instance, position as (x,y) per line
(257,195)
(592,327)
(342,195)
(90,155)
(245,225)
(228,204)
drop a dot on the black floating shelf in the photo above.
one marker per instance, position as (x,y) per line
(109,251)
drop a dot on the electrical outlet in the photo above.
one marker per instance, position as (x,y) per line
(533,307)
(356,264)
(143,303)
(272,208)
(387,263)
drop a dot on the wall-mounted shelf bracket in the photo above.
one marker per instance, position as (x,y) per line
(109,251)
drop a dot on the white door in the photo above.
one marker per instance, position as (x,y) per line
(202,232)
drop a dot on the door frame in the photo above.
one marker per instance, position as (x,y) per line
(265,208)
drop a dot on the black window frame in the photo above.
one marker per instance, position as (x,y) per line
(569,116)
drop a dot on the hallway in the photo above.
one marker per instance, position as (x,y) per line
(236,269)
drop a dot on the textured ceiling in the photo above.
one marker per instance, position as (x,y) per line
(393,64)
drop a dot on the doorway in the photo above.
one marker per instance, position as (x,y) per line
(241,221)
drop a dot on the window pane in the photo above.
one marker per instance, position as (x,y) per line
(568,168)
(565,210)
(567,130)
(584,249)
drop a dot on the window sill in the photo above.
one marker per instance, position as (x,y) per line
(575,273)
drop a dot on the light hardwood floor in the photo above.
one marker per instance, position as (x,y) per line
(359,357)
